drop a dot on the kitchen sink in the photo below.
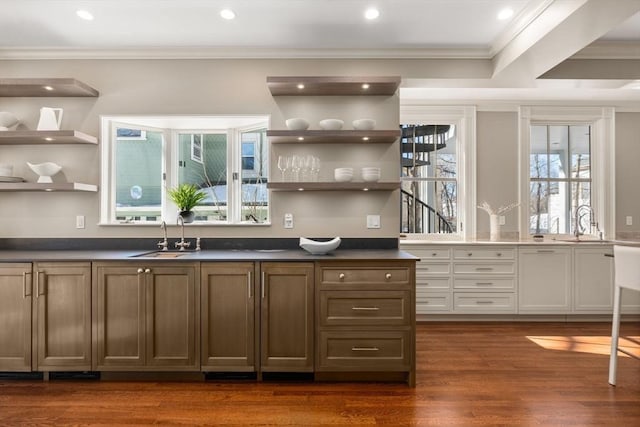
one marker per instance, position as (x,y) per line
(163,254)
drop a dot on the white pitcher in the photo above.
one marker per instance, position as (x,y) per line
(50,118)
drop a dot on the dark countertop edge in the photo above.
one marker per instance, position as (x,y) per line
(298,255)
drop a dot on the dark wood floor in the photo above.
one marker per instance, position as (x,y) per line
(469,374)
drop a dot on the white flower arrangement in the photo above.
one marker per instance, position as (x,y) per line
(502,209)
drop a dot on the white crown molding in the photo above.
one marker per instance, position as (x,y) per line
(239,53)
(610,50)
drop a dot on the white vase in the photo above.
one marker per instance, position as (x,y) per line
(494,228)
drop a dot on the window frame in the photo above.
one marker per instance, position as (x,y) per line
(194,148)
(602,153)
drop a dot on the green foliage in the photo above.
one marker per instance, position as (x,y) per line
(186,196)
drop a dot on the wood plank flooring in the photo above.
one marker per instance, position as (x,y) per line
(469,374)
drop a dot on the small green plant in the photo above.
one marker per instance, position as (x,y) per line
(186,196)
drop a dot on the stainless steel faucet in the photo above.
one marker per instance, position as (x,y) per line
(592,221)
(164,244)
(182,244)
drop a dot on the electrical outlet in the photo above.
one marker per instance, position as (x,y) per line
(502,220)
(288,220)
(80,221)
(629,220)
(373,221)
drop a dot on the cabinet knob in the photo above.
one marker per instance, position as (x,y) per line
(341,276)
(470,254)
(387,276)
(499,254)
(434,254)
(147,270)
(140,271)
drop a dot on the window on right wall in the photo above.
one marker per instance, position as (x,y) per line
(566,181)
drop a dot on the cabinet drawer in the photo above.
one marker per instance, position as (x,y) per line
(364,350)
(484,302)
(427,254)
(430,269)
(477,284)
(365,308)
(484,268)
(431,283)
(484,253)
(429,302)
(398,275)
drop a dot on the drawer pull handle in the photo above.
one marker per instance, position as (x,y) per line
(470,254)
(484,302)
(365,308)
(434,254)
(484,268)
(365,349)
(387,276)
(140,271)
(147,270)
(484,283)
(341,276)
(249,283)
(547,251)
(26,284)
(499,254)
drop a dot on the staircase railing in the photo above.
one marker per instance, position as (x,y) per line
(421,218)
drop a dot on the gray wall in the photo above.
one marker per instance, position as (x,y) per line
(627,172)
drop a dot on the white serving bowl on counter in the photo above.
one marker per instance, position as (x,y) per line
(319,248)
(343,174)
(297,124)
(364,124)
(331,124)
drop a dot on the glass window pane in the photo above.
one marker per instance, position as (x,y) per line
(538,207)
(210,174)
(558,151)
(429,207)
(580,151)
(538,156)
(254,172)
(138,175)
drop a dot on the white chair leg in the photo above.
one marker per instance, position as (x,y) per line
(615,333)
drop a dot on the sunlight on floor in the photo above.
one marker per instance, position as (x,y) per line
(588,344)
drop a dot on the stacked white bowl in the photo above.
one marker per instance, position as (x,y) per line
(297,123)
(331,124)
(343,174)
(370,174)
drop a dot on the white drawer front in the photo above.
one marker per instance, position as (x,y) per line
(484,268)
(484,253)
(484,284)
(433,284)
(484,302)
(426,254)
(439,268)
(432,302)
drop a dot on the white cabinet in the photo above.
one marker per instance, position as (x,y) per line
(544,280)
(593,280)
(433,279)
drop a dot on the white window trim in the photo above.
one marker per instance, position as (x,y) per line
(193,144)
(464,117)
(602,120)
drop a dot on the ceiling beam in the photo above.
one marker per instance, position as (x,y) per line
(562,29)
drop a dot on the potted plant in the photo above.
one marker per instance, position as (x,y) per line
(186,197)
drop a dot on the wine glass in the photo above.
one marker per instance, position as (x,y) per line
(284,163)
(296,164)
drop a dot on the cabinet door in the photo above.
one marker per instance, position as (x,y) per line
(119,310)
(287,317)
(593,280)
(544,284)
(63,316)
(15,308)
(228,316)
(172,320)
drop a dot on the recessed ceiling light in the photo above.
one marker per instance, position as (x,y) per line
(300,86)
(505,14)
(48,88)
(371,13)
(84,14)
(365,85)
(227,14)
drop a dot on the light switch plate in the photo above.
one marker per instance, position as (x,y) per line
(629,220)
(80,221)
(373,221)
(288,220)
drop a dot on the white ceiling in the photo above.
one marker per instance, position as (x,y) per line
(542,32)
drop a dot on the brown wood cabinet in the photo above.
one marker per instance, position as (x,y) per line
(366,318)
(146,316)
(62,316)
(15,308)
(287,320)
(228,307)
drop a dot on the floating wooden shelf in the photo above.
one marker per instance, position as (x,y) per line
(46,87)
(333,186)
(45,137)
(56,186)
(333,85)
(333,136)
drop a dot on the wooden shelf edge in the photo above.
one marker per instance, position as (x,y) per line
(333,137)
(55,186)
(333,186)
(333,85)
(46,137)
(46,87)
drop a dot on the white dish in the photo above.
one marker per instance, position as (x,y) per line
(11,179)
(45,170)
(364,124)
(319,248)
(7,120)
(331,124)
(297,124)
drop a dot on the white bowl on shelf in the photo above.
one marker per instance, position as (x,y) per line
(331,124)
(364,124)
(343,174)
(8,120)
(319,248)
(297,124)
(45,171)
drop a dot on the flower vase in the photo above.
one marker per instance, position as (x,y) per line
(187,216)
(494,228)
